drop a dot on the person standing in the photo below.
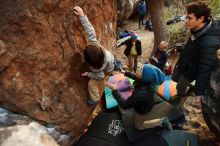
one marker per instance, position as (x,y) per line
(142,10)
(199,55)
(132,51)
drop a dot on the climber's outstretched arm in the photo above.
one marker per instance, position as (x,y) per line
(91,35)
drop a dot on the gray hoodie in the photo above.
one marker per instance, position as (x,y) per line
(108,65)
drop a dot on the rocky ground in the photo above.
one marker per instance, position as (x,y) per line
(195,122)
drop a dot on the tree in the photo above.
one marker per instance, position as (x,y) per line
(156,9)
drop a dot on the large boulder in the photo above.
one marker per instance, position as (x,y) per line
(41,59)
(211,102)
(26,135)
(126,8)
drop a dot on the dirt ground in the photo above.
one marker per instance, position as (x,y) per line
(195,122)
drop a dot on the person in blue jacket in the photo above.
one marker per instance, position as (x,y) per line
(142,10)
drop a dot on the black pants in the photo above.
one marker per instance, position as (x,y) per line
(182,82)
(141,20)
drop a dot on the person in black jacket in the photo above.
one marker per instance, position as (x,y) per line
(198,57)
(142,98)
(132,51)
(159,59)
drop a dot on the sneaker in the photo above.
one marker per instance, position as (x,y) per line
(166,123)
(91,102)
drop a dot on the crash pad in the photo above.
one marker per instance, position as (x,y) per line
(167,90)
(180,138)
(124,86)
(105,130)
(160,109)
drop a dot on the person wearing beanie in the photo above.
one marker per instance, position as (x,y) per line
(132,51)
(142,98)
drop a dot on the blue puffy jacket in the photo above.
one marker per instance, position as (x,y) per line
(142,8)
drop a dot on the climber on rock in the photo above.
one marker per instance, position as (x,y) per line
(99,59)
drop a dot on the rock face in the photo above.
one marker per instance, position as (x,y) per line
(125,8)
(41,59)
(26,135)
(211,102)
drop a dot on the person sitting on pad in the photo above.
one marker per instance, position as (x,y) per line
(142,98)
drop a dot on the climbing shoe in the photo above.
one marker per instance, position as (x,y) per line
(166,123)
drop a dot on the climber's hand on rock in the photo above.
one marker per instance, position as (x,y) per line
(78,11)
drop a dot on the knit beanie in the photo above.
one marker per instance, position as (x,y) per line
(133,36)
(151,73)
